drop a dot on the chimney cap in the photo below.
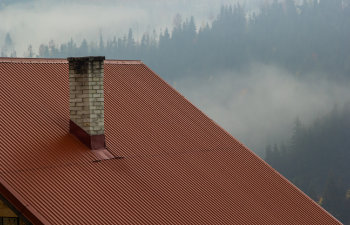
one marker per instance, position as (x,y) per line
(86,58)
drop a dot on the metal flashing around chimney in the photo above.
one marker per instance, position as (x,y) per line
(87,100)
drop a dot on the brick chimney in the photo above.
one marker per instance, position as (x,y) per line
(87,100)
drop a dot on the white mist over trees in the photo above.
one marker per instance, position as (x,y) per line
(8,48)
(304,38)
(38,21)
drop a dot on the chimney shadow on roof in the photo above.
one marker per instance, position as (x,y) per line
(64,148)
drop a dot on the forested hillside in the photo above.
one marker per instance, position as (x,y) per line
(317,160)
(313,36)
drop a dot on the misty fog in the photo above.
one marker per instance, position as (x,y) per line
(37,22)
(259,105)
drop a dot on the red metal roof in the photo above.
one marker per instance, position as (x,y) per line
(178,166)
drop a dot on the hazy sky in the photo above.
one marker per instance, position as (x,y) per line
(36,22)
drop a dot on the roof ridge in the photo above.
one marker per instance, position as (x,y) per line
(32,60)
(61,60)
(115,61)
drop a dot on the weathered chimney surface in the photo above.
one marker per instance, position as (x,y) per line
(87,100)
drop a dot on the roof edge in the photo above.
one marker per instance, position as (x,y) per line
(31,60)
(21,204)
(253,153)
(61,60)
(115,61)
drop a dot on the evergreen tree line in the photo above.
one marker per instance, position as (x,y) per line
(8,49)
(317,160)
(313,36)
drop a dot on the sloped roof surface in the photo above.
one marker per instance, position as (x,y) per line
(178,166)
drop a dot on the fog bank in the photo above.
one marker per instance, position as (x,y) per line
(38,22)
(259,106)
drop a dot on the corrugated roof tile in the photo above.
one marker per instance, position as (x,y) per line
(178,166)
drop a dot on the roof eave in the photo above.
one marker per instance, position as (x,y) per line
(17,201)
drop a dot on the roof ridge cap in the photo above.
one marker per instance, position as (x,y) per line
(116,61)
(62,60)
(32,60)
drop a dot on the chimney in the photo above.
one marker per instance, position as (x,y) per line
(86,101)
